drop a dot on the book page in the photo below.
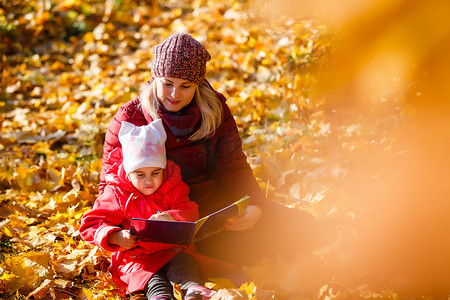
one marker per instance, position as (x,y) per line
(217,221)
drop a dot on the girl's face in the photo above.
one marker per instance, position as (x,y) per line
(174,93)
(147,180)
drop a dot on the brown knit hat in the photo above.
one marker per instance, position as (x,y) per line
(180,56)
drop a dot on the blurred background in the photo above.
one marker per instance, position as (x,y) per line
(343,109)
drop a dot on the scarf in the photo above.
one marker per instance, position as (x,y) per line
(183,122)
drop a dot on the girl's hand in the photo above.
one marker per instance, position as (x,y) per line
(124,239)
(247,221)
(162,216)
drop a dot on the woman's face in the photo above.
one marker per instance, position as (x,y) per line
(174,93)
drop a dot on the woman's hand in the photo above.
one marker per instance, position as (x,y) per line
(162,216)
(247,221)
(124,239)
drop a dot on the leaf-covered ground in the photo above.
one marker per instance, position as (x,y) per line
(329,120)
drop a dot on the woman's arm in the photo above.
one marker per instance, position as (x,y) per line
(236,175)
(231,162)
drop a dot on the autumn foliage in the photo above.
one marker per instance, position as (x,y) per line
(343,112)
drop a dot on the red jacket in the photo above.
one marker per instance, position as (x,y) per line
(215,169)
(115,207)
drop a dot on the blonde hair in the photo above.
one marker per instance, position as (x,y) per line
(206,99)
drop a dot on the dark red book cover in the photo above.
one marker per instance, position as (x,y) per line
(185,233)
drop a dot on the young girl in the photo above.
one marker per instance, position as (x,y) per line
(144,185)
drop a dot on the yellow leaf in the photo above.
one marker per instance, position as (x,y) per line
(63,283)
(41,291)
(57,65)
(6,279)
(219,283)
(251,42)
(87,293)
(66,267)
(38,236)
(21,172)
(39,262)
(21,276)
(249,288)
(42,147)
(76,254)
(35,78)
(7,231)
(88,37)
(56,176)
(177,12)
(79,214)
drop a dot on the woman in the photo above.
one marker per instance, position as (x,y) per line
(202,138)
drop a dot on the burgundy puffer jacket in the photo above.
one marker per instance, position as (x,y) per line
(215,169)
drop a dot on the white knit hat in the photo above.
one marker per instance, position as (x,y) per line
(143,146)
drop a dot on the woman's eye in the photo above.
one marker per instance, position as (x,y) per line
(167,84)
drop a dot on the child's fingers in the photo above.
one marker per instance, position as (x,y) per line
(162,216)
(128,235)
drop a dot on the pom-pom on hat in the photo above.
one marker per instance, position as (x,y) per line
(143,146)
(180,56)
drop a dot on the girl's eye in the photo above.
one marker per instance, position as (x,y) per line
(185,87)
(167,84)
(155,173)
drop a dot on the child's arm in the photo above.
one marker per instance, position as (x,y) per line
(102,220)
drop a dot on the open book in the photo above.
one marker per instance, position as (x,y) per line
(186,233)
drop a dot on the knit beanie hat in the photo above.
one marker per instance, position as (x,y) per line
(143,146)
(180,56)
